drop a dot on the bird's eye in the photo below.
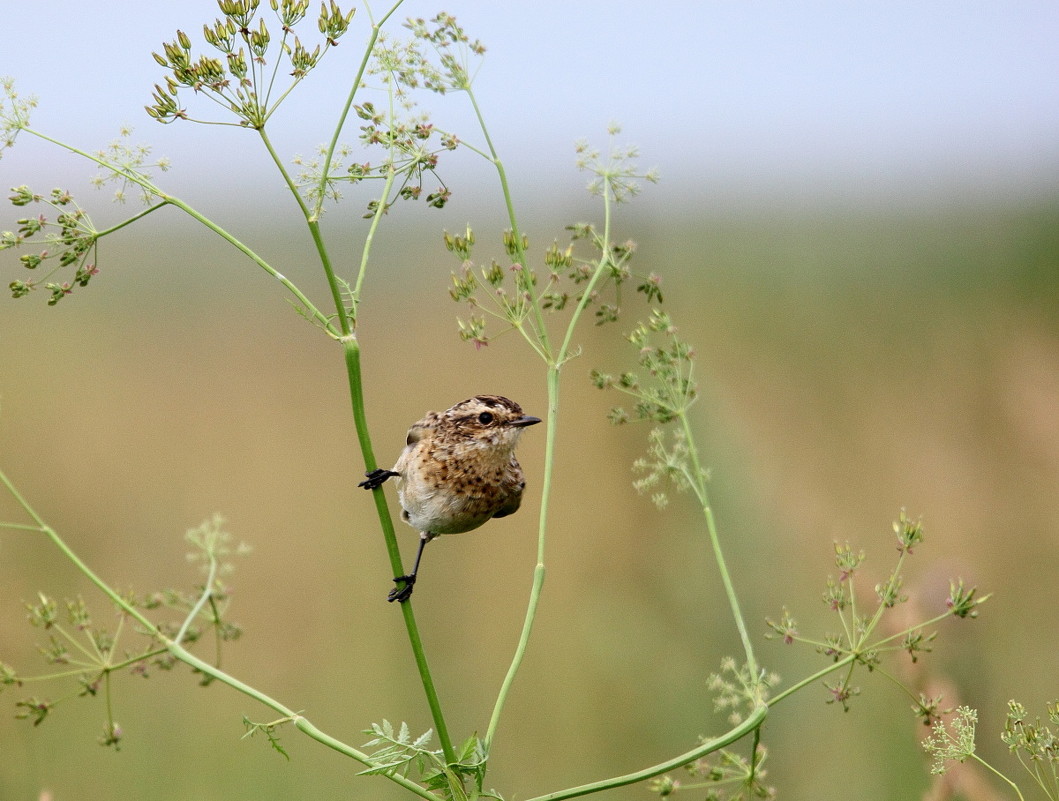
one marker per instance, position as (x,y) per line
(485,418)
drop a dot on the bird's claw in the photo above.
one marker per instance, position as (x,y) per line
(376,478)
(402,594)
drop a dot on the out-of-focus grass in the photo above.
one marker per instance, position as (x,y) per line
(850,365)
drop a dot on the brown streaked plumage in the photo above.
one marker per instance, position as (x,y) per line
(458,470)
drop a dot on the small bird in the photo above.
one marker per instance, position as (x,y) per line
(458,470)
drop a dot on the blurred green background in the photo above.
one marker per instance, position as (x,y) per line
(849,366)
(887,345)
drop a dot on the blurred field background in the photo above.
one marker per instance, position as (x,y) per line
(884,346)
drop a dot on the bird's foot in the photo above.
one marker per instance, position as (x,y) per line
(402,594)
(376,478)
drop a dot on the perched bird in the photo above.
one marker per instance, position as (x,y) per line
(458,469)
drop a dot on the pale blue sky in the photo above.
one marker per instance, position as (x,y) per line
(733,101)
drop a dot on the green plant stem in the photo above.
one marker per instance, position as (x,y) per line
(329,155)
(539,570)
(999,775)
(554,367)
(597,274)
(369,238)
(278,162)
(312,220)
(752,723)
(351,353)
(201,602)
(181,653)
(509,203)
(129,221)
(142,181)
(699,485)
(351,349)
(841,663)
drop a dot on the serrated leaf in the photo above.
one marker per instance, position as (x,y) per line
(379,770)
(423,739)
(469,747)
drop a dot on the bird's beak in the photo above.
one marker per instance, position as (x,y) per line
(522,422)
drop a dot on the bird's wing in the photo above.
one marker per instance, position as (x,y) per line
(420,428)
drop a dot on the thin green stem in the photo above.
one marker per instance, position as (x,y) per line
(50,533)
(841,663)
(509,203)
(881,609)
(21,527)
(129,221)
(698,483)
(539,571)
(201,602)
(597,274)
(145,183)
(93,656)
(287,179)
(751,724)
(554,367)
(345,325)
(310,309)
(187,657)
(369,238)
(999,775)
(329,155)
(920,626)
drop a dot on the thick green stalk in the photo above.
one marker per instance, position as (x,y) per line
(752,723)
(351,352)
(351,349)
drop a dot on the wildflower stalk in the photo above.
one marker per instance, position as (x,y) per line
(329,154)
(174,646)
(554,367)
(845,661)
(346,317)
(695,476)
(171,200)
(351,349)
(751,724)
(542,345)
(539,570)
